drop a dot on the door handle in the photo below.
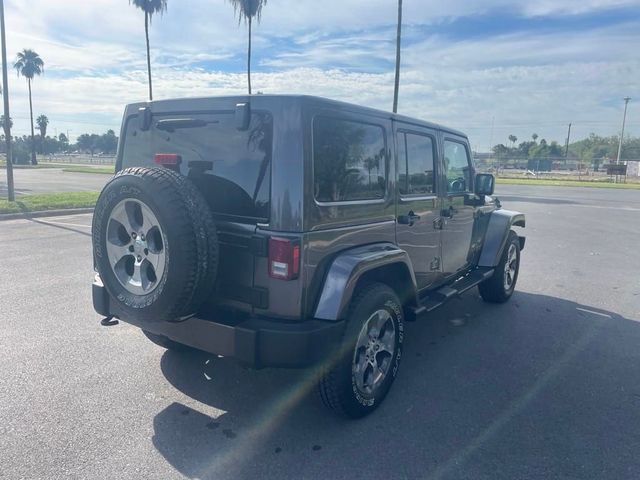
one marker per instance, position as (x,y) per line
(408,219)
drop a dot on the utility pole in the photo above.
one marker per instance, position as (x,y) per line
(624,119)
(396,90)
(566,151)
(7,117)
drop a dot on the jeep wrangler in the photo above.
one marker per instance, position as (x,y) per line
(290,231)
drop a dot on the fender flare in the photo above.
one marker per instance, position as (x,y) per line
(348,268)
(495,238)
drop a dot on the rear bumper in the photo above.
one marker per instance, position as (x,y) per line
(257,342)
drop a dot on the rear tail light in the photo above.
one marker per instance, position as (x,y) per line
(284,258)
(167,159)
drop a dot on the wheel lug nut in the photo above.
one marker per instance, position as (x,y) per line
(134,235)
(131,249)
(139,258)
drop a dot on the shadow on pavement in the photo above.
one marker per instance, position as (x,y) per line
(538,387)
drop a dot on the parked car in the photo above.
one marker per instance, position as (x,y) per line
(289,231)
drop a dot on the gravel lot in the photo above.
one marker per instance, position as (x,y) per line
(545,386)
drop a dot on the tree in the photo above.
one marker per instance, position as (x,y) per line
(149,7)
(88,142)
(29,64)
(2,122)
(513,139)
(396,89)
(248,10)
(108,142)
(43,122)
(535,137)
(63,142)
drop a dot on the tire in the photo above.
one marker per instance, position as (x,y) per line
(167,343)
(499,287)
(167,274)
(344,385)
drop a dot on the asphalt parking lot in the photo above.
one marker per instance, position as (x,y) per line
(545,386)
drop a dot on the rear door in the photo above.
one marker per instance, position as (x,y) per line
(458,214)
(417,201)
(232,169)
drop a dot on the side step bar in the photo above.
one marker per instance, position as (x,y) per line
(437,298)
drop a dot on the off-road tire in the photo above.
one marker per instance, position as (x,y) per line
(493,290)
(189,237)
(167,343)
(337,386)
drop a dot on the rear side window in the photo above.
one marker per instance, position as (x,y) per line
(349,160)
(415,164)
(232,168)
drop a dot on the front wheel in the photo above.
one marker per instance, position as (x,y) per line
(361,371)
(500,287)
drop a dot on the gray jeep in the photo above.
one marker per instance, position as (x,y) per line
(290,231)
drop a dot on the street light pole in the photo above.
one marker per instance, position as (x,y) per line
(7,117)
(624,119)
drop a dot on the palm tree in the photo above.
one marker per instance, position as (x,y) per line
(513,140)
(535,137)
(43,122)
(149,7)
(248,9)
(396,90)
(29,64)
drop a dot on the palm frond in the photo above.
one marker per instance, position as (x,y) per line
(248,9)
(150,7)
(29,64)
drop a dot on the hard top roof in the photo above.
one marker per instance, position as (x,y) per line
(308,99)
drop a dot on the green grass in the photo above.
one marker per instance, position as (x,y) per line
(100,170)
(564,183)
(49,201)
(3,165)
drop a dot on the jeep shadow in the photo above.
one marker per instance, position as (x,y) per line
(535,386)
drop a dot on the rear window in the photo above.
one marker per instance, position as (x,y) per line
(232,168)
(349,160)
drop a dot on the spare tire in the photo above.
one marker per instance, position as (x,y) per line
(154,244)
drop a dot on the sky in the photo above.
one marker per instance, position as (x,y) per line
(489,68)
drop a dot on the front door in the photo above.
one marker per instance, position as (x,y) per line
(417,202)
(457,214)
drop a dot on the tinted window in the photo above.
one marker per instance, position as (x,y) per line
(415,164)
(349,160)
(232,168)
(457,167)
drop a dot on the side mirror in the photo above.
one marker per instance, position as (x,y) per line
(243,116)
(144,119)
(485,184)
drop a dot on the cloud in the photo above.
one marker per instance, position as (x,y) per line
(528,79)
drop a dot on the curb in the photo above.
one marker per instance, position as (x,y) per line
(45,213)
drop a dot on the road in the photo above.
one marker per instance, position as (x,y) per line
(47,180)
(545,386)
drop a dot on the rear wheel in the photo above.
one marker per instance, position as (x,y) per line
(501,285)
(361,372)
